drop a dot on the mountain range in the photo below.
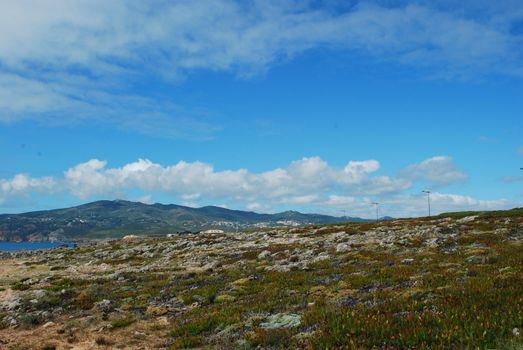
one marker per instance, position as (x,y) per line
(111,219)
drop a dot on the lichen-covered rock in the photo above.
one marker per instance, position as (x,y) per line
(281,321)
(342,247)
(265,255)
(479,259)
(153,310)
(104,306)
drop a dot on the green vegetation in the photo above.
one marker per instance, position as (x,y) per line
(516,212)
(404,284)
(123,322)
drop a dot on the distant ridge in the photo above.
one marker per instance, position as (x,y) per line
(108,219)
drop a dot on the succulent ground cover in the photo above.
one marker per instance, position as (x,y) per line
(451,282)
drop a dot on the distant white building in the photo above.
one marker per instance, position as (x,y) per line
(212,231)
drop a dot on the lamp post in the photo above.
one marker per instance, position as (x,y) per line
(428,198)
(376,204)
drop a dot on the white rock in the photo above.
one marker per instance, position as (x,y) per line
(467,219)
(281,321)
(129,237)
(342,247)
(10,305)
(321,257)
(39,293)
(48,324)
(212,231)
(265,255)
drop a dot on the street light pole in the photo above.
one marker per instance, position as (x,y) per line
(428,198)
(377,210)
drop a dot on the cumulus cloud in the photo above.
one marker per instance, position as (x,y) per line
(258,207)
(439,170)
(78,61)
(147,199)
(416,205)
(309,183)
(22,185)
(299,183)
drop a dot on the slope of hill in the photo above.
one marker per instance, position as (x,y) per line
(103,219)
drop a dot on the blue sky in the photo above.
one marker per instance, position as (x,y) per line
(320,106)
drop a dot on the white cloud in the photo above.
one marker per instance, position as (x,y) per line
(309,184)
(115,37)
(416,205)
(78,61)
(147,199)
(190,196)
(344,201)
(259,208)
(301,200)
(22,185)
(72,102)
(439,170)
(298,183)
(190,204)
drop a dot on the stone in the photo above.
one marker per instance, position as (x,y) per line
(478,259)
(163,321)
(104,306)
(48,324)
(10,305)
(210,266)
(467,219)
(342,247)
(241,281)
(281,321)
(265,255)
(39,294)
(130,238)
(321,257)
(153,310)
(243,344)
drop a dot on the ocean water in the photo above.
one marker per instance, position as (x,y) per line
(16,246)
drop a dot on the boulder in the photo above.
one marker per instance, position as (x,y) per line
(265,255)
(342,247)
